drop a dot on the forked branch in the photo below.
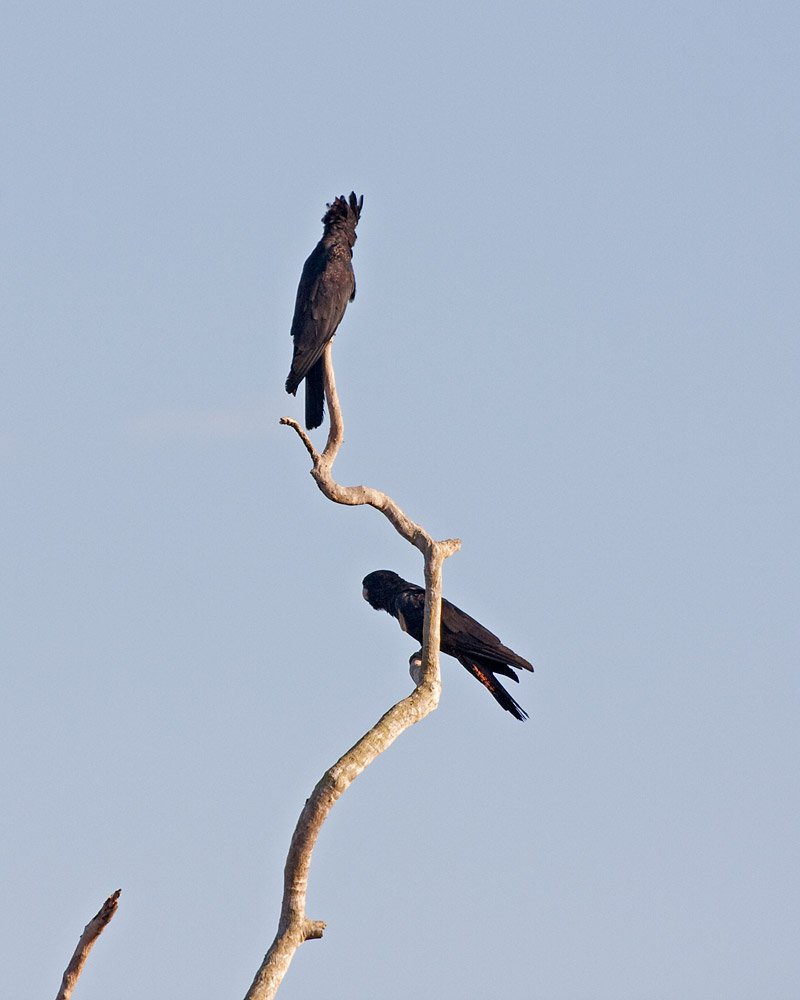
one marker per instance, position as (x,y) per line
(294,927)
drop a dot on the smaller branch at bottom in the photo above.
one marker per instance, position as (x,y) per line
(91,932)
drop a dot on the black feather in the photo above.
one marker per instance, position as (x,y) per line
(475,647)
(327,284)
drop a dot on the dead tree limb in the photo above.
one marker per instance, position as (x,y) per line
(294,927)
(91,932)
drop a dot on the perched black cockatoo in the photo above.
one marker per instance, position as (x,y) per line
(474,646)
(327,284)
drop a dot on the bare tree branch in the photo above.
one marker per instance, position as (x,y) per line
(354,496)
(91,933)
(294,927)
(336,430)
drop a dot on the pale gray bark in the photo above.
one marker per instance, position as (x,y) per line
(91,932)
(294,927)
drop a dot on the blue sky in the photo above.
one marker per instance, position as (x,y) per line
(574,346)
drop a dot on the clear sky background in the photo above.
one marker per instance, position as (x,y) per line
(574,346)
